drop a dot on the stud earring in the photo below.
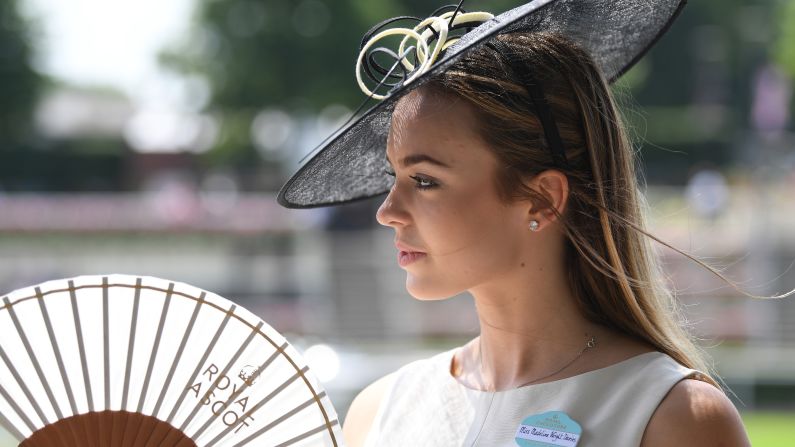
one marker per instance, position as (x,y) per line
(533,225)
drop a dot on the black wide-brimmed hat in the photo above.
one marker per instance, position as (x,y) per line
(350,165)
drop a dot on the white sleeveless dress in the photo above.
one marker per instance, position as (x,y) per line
(426,406)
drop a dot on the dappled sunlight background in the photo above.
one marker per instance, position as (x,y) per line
(150,138)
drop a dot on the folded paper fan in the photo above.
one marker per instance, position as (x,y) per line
(121,360)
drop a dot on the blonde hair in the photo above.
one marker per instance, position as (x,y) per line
(615,274)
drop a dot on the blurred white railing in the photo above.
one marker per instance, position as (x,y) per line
(345,287)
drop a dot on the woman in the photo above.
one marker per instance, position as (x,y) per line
(514,181)
(540,259)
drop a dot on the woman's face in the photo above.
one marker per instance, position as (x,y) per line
(451,213)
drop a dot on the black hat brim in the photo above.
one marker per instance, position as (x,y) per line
(350,166)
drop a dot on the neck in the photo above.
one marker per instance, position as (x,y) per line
(527,336)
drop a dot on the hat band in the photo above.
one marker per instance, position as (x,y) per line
(540,104)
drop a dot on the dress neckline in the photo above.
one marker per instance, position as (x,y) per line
(447,358)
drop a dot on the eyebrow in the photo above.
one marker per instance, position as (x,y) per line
(413,159)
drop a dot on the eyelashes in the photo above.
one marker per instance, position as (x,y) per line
(420,182)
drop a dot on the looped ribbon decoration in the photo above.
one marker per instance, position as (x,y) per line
(429,39)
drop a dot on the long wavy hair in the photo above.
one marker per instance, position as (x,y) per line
(614,272)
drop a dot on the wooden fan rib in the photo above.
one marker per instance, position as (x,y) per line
(12,428)
(119,430)
(57,351)
(119,425)
(273,393)
(279,389)
(272,424)
(131,344)
(90,440)
(90,423)
(199,365)
(75,430)
(309,433)
(104,429)
(155,347)
(72,288)
(320,404)
(157,437)
(15,373)
(47,439)
(15,431)
(243,388)
(131,428)
(13,403)
(183,343)
(145,431)
(175,438)
(106,341)
(215,383)
(81,346)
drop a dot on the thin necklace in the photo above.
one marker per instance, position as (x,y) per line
(591,343)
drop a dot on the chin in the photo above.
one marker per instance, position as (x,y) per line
(429,292)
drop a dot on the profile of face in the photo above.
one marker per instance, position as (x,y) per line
(449,210)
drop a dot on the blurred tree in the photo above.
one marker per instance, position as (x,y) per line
(19,82)
(694,87)
(287,53)
(294,55)
(30,161)
(784,49)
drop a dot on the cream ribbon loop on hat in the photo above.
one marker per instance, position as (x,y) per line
(434,28)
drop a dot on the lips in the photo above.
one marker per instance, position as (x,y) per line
(408,254)
(407,248)
(406,258)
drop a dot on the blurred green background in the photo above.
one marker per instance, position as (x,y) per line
(150,138)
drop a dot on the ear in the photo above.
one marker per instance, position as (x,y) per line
(554,185)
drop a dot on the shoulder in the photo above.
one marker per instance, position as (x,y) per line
(414,376)
(363,409)
(695,413)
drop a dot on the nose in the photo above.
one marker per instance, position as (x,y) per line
(391,213)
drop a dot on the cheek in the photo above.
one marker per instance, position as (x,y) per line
(476,224)
(468,253)
(472,240)
(488,244)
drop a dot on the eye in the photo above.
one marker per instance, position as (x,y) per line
(421,183)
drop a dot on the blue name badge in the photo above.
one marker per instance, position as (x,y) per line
(546,429)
